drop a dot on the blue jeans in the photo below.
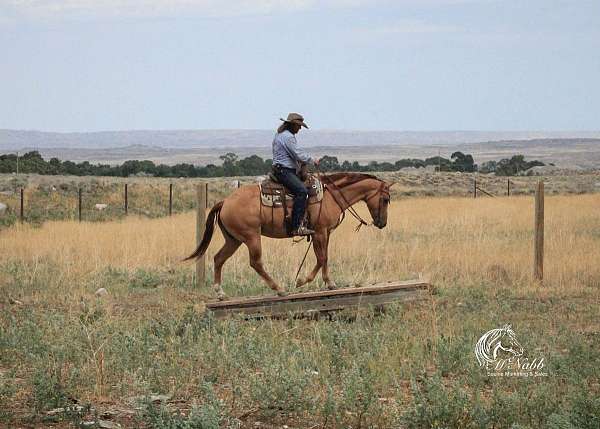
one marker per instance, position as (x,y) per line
(289,178)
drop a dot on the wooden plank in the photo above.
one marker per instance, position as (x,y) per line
(321,305)
(374,289)
(321,301)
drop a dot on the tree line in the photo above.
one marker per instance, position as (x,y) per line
(232,165)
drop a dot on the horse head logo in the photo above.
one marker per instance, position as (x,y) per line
(495,341)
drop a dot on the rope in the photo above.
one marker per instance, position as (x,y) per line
(349,207)
(303,260)
(308,238)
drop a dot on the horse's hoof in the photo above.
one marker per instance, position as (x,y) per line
(331,286)
(221,296)
(301,282)
(282,293)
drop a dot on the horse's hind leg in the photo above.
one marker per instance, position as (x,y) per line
(228,249)
(255,253)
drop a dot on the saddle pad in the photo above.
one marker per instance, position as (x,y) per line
(271,193)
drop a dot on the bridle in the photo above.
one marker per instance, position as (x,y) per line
(382,194)
(381,191)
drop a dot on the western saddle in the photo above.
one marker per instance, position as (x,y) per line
(273,194)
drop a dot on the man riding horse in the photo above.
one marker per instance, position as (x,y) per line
(242,219)
(288,159)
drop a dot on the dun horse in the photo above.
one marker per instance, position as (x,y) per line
(243,220)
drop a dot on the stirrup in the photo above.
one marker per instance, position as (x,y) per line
(302,231)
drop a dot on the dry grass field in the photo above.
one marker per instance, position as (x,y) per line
(411,367)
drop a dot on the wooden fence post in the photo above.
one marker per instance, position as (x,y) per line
(474,188)
(170,199)
(201,195)
(22,212)
(538,255)
(79,203)
(508,187)
(126,200)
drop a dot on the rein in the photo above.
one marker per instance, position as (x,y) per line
(350,208)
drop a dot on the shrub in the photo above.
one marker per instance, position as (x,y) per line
(209,415)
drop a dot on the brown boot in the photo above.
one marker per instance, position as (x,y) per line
(302,230)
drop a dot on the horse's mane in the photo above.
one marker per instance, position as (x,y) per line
(348,179)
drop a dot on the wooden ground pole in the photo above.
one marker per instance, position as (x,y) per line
(326,301)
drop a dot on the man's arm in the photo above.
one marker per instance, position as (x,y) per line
(295,151)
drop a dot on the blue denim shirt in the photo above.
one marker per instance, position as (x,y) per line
(286,151)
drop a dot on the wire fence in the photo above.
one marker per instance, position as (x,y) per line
(39,199)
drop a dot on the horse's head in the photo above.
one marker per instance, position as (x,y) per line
(508,342)
(378,202)
(495,341)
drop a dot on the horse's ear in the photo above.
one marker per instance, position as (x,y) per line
(507,327)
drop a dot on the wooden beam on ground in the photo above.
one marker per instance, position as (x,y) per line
(311,303)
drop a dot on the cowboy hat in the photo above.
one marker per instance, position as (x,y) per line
(295,118)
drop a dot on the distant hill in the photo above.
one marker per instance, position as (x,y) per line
(565,149)
(186,139)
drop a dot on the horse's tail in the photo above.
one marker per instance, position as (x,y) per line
(208,232)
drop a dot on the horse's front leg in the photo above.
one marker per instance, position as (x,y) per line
(309,278)
(325,269)
(319,243)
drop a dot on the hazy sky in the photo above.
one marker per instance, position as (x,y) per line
(89,65)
